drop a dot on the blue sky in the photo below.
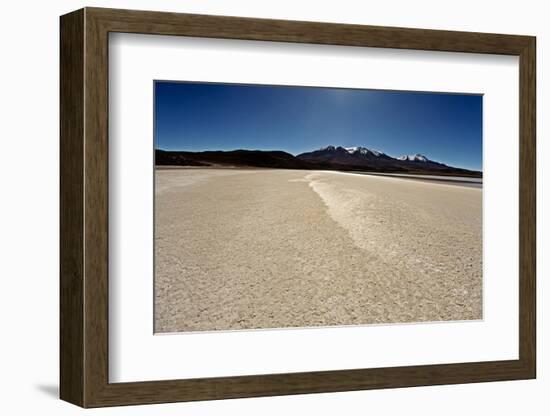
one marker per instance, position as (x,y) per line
(211,116)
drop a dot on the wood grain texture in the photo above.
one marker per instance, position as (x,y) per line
(96,208)
(162,23)
(84,207)
(527,208)
(71,208)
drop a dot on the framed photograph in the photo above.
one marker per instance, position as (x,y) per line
(260,207)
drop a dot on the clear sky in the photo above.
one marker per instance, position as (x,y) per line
(200,116)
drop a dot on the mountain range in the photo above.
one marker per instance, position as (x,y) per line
(326,158)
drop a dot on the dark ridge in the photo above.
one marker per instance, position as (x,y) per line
(251,158)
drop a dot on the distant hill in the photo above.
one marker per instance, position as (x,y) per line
(327,158)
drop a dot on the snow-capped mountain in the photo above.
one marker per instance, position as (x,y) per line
(348,152)
(348,156)
(358,157)
(414,158)
(363,151)
(351,150)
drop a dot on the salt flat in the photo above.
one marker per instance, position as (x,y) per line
(253,248)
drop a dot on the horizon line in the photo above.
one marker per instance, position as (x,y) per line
(321,148)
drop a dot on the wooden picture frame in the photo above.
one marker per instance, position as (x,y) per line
(84,207)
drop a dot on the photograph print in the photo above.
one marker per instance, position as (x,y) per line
(295,207)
